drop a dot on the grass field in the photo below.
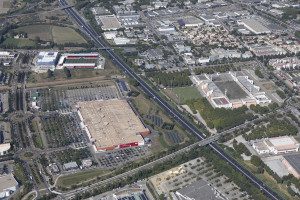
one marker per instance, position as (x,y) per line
(63,35)
(57,34)
(186,93)
(4,6)
(68,180)
(19,43)
(42,31)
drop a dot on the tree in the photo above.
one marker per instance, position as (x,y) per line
(133,82)
(67,72)
(49,73)
(255,160)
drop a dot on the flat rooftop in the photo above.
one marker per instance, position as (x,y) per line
(284,142)
(255,26)
(110,22)
(111,122)
(198,189)
(7,181)
(294,160)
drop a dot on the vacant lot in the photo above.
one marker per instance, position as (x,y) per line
(234,91)
(57,34)
(76,178)
(63,35)
(18,43)
(41,31)
(4,6)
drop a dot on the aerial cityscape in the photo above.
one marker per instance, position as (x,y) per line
(150,99)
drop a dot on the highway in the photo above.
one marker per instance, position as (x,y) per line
(163,104)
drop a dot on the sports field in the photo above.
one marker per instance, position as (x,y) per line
(18,43)
(234,91)
(186,93)
(57,34)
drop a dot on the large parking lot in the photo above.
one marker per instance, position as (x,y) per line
(65,99)
(119,157)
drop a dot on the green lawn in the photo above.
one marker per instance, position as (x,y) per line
(63,35)
(186,93)
(18,43)
(66,181)
(38,142)
(41,31)
(19,173)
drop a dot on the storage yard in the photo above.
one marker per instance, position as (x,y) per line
(111,124)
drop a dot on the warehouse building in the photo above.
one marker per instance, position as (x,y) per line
(254,26)
(108,22)
(70,166)
(292,163)
(81,60)
(46,60)
(276,145)
(8,185)
(111,124)
(7,55)
(190,21)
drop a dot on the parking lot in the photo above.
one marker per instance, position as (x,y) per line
(62,130)
(119,157)
(64,100)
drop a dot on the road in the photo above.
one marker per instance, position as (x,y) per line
(88,30)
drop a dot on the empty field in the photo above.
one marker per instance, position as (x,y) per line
(41,31)
(76,178)
(234,91)
(63,35)
(57,34)
(18,43)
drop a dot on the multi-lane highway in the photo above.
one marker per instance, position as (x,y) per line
(88,30)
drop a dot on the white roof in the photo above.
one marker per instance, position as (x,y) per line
(279,141)
(7,181)
(4,147)
(47,56)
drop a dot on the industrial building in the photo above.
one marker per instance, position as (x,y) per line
(111,124)
(254,26)
(292,163)
(266,50)
(276,145)
(81,60)
(229,90)
(108,22)
(45,60)
(130,194)
(190,21)
(8,185)
(220,53)
(199,190)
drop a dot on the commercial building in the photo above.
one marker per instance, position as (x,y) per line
(254,26)
(292,163)
(111,124)
(108,22)
(276,145)
(46,60)
(7,55)
(153,54)
(287,62)
(130,194)
(4,148)
(81,60)
(70,166)
(86,163)
(199,190)
(8,185)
